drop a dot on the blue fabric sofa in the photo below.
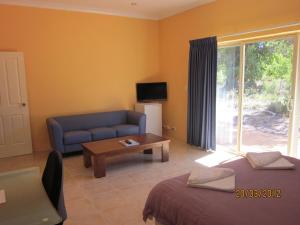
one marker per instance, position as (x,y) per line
(68,132)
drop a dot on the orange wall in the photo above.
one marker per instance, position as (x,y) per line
(78,62)
(219,18)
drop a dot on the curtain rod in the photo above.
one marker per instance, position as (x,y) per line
(260,30)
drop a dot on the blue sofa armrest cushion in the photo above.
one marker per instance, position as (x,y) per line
(137,118)
(55,134)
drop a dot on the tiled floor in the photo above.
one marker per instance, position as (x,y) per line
(119,198)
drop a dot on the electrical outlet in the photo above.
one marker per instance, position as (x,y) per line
(168,127)
(165,127)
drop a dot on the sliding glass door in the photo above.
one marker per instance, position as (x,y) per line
(227,97)
(255,86)
(267,95)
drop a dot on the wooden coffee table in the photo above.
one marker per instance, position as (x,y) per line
(100,150)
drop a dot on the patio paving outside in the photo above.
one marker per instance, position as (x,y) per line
(262,131)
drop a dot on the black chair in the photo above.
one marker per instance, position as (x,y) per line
(53,183)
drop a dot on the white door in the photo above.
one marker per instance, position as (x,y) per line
(15,136)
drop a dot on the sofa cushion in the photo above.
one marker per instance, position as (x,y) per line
(126,129)
(92,120)
(76,137)
(103,133)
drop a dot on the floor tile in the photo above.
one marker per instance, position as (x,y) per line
(118,198)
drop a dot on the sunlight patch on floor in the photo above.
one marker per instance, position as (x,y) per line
(216,158)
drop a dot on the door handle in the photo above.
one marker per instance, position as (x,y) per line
(23,104)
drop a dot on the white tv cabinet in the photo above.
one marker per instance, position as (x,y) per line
(153,113)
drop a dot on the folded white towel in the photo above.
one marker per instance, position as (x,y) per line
(222,179)
(268,160)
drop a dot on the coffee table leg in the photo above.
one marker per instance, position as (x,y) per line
(165,152)
(99,166)
(86,159)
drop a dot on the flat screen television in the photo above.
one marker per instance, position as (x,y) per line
(151,91)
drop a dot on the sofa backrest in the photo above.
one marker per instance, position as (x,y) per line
(93,120)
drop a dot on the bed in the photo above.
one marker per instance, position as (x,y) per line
(172,202)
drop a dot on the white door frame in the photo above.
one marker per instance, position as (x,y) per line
(295,100)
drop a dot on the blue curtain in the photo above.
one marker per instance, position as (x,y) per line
(201,127)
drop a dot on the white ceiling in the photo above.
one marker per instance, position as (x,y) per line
(147,9)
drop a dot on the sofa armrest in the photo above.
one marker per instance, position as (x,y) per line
(137,118)
(55,134)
